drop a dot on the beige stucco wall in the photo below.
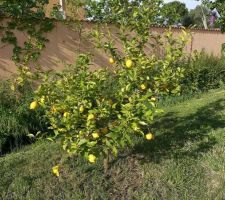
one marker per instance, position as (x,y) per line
(211,41)
(208,40)
(65,44)
(63,47)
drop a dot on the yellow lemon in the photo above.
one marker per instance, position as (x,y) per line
(129,63)
(143,86)
(149,136)
(91,117)
(153,99)
(91,158)
(111,61)
(81,109)
(66,114)
(95,135)
(55,170)
(33,105)
(105,130)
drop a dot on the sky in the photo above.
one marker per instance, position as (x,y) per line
(189,3)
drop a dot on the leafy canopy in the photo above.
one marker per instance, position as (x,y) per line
(113,10)
(220,6)
(98,113)
(174,12)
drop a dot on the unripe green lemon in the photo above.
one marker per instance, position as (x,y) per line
(105,130)
(114,123)
(42,100)
(110,102)
(153,99)
(53,109)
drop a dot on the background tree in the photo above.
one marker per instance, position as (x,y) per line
(101,10)
(174,12)
(197,15)
(220,6)
(188,21)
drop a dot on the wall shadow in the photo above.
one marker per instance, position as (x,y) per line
(183,136)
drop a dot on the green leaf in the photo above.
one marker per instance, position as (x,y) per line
(112,135)
(91,144)
(143,123)
(50,139)
(82,141)
(128,138)
(31,135)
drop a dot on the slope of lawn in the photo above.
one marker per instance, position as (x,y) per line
(185,161)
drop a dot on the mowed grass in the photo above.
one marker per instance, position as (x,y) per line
(185,161)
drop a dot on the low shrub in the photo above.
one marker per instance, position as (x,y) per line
(203,72)
(16,121)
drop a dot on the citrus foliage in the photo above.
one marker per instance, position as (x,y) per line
(96,113)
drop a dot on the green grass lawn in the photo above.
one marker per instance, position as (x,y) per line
(185,161)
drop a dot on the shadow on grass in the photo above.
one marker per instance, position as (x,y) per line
(183,136)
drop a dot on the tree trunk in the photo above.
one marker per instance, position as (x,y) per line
(106,164)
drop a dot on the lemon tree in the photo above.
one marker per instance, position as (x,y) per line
(97,113)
